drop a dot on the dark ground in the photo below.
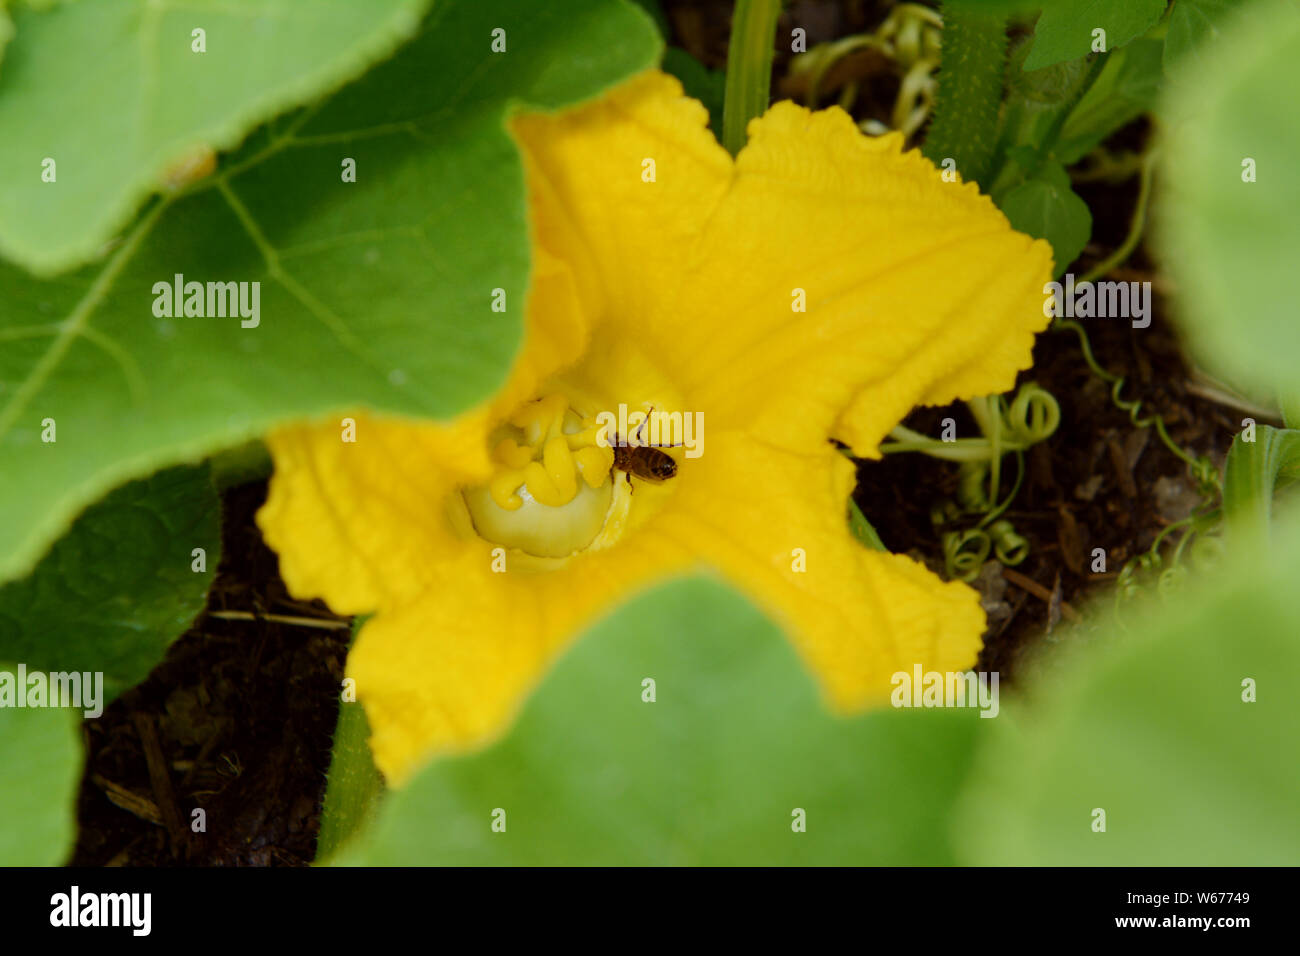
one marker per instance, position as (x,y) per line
(239,717)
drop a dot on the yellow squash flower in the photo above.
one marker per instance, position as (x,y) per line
(669,277)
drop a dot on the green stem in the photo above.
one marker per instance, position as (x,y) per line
(971,66)
(1015,490)
(1136,227)
(749,68)
(1134,408)
(354,785)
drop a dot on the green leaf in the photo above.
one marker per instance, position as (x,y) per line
(1047,208)
(1065,30)
(40,753)
(376,293)
(655,11)
(1230,243)
(1250,475)
(120,586)
(699,82)
(709,773)
(141,99)
(355,786)
(863,529)
(6,31)
(1192,25)
(1125,89)
(1152,728)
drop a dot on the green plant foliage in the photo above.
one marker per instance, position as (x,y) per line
(374,293)
(749,68)
(1192,25)
(6,30)
(700,83)
(711,772)
(970,89)
(1065,29)
(1251,473)
(1124,90)
(1229,242)
(40,753)
(142,98)
(120,586)
(1047,208)
(355,785)
(1150,725)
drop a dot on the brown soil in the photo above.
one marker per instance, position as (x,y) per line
(242,712)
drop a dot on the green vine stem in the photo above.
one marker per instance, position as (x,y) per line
(749,68)
(1137,225)
(1201,469)
(1031,417)
(972,60)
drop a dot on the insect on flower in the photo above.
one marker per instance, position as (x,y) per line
(642,459)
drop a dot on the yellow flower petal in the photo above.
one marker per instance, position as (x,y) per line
(627,239)
(915,290)
(364,525)
(775,523)
(451,668)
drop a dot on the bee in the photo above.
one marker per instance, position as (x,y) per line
(645,461)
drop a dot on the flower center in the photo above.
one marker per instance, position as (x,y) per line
(551,492)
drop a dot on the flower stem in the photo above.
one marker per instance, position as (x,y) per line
(749,68)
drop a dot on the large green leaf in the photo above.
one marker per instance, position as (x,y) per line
(6,30)
(1192,25)
(141,98)
(711,772)
(1065,29)
(1152,728)
(40,770)
(374,293)
(121,585)
(1230,243)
